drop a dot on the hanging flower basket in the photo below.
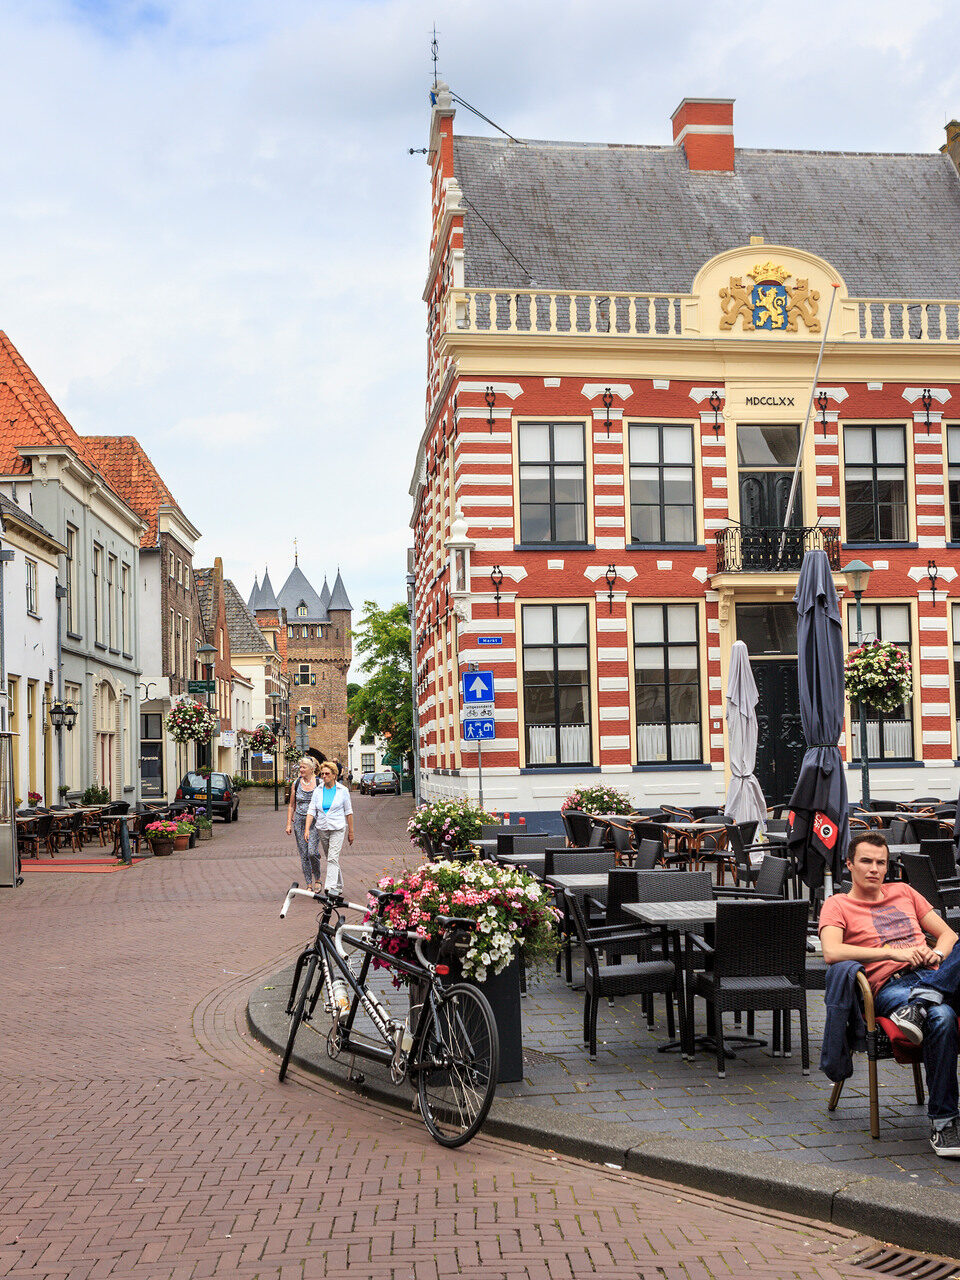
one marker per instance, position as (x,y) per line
(190,722)
(878,674)
(512,907)
(262,739)
(598,800)
(292,754)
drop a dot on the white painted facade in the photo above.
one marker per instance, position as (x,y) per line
(360,752)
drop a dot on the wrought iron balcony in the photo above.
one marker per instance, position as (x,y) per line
(743,549)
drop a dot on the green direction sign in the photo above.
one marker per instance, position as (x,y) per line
(201,686)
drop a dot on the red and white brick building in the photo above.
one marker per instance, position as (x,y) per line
(622,342)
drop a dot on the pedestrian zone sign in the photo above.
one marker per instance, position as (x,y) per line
(478,730)
(477,686)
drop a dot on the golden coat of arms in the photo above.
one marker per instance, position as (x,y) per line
(771,304)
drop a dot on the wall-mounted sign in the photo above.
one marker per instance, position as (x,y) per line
(489,639)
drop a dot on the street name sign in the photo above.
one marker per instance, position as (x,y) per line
(201,686)
(477,687)
(489,639)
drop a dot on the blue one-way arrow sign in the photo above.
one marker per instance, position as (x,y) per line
(477,686)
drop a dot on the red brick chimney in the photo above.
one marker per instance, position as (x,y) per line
(704,128)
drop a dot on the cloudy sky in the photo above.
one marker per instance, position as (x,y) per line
(214,237)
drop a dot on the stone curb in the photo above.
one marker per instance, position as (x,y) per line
(922,1218)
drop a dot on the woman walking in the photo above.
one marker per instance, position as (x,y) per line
(302,792)
(329,815)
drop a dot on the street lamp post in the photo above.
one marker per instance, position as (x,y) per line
(275,726)
(206,653)
(858,575)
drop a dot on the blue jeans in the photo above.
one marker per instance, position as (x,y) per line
(938,989)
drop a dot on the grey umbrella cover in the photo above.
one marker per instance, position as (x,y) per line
(745,801)
(822,785)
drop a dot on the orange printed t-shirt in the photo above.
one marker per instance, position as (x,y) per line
(892,922)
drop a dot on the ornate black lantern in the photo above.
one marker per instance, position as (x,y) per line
(496,577)
(933,573)
(491,398)
(607,398)
(927,400)
(716,404)
(822,406)
(611,577)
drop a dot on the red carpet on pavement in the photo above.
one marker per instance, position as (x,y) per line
(90,865)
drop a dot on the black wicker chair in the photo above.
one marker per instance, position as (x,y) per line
(623,841)
(573,862)
(757,962)
(639,977)
(491,830)
(579,827)
(649,853)
(35,837)
(943,855)
(770,880)
(528,852)
(920,875)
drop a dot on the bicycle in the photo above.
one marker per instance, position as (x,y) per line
(450,1054)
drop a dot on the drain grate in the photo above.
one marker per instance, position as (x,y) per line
(894,1262)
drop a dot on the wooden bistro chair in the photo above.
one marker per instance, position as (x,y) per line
(884,1042)
(634,977)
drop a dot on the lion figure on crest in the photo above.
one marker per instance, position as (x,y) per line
(803,306)
(735,302)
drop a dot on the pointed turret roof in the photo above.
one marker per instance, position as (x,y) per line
(254,595)
(267,599)
(297,592)
(325,595)
(338,597)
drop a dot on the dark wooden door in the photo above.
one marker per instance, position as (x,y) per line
(151,770)
(780,741)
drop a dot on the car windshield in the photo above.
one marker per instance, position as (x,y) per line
(218,781)
(195,780)
(384,777)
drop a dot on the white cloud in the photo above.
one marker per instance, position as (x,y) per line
(212,229)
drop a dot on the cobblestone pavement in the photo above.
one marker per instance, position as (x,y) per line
(144,1134)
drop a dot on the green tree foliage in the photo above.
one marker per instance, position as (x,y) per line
(383,705)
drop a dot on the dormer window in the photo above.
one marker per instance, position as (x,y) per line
(301,610)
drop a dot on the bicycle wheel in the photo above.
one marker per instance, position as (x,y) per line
(457,1064)
(297,1016)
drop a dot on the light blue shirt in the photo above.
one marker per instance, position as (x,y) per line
(330,816)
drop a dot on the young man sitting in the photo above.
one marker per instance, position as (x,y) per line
(885,927)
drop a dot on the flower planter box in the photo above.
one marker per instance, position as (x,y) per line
(161,848)
(503,992)
(180,843)
(204,833)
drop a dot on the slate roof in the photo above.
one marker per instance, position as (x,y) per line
(338,597)
(597,216)
(245,635)
(325,594)
(266,598)
(254,595)
(296,591)
(124,462)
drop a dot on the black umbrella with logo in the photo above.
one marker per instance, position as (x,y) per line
(819,825)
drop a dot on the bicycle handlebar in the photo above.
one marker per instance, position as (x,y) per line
(296,892)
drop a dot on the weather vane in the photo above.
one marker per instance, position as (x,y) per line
(434,52)
(294,551)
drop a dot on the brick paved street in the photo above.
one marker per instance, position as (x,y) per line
(144,1133)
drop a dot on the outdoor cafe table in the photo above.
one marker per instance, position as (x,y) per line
(486,847)
(676,918)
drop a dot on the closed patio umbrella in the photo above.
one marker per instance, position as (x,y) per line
(745,802)
(819,826)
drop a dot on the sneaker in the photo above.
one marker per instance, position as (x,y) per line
(946,1141)
(909,1021)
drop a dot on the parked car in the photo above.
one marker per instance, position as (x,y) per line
(366,782)
(384,784)
(224,797)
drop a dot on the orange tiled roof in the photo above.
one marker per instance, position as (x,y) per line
(124,462)
(28,417)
